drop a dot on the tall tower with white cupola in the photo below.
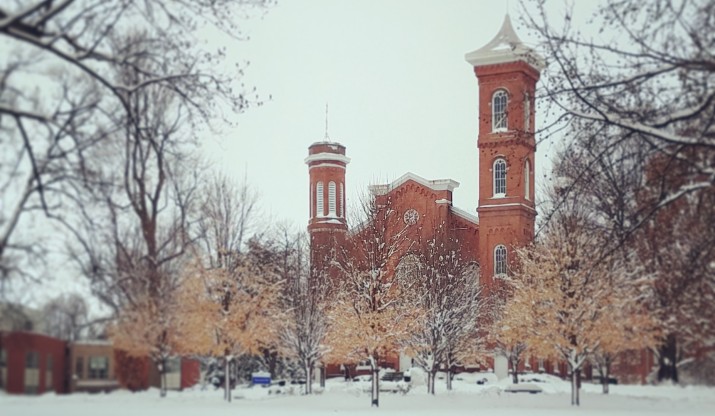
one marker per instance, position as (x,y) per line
(327,225)
(507,72)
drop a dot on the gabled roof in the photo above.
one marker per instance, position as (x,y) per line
(505,47)
(435,185)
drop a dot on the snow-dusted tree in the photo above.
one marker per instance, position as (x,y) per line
(228,313)
(444,285)
(678,247)
(305,299)
(66,316)
(371,316)
(570,296)
(59,93)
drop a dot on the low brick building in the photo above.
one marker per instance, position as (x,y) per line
(32,363)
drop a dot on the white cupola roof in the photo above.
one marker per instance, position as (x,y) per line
(505,47)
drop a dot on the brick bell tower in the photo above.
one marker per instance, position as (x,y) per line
(327,226)
(507,72)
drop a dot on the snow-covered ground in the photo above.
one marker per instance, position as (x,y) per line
(342,397)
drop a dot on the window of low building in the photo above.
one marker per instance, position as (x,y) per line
(98,367)
(32,372)
(79,367)
(48,373)
(3,367)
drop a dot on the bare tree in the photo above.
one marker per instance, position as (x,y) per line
(135,215)
(445,286)
(38,159)
(646,79)
(66,316)
(228,218)
(59,93)
(306,300)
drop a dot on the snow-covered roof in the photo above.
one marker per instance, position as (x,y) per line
(104,342)
(435,185)
(465,215)
(505,47)
(321,157)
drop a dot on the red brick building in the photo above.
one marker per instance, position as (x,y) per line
(32,363)
(507,72)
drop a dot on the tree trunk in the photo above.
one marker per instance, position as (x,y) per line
(575,384)
(375,386)
(162,378)
(605,371)
(308,377)
(323,373)
(514,370)
(226,379)
(668,359)
(430,380)
(449,378)
(271,359)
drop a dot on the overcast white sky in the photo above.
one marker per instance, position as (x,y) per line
(401,96)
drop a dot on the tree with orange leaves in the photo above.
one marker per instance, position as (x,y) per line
(574,301)
(230,312)
(150,328)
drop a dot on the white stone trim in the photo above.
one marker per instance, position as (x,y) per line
(326,165)
(511,204)
(329,220)
(319,157)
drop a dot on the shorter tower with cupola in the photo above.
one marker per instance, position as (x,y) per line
(327,225)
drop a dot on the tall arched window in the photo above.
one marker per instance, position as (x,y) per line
(320,209)
(527,180)
(499,101)
(499,172)
(499,260)
(342,202)
(527,112)
(331,199)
